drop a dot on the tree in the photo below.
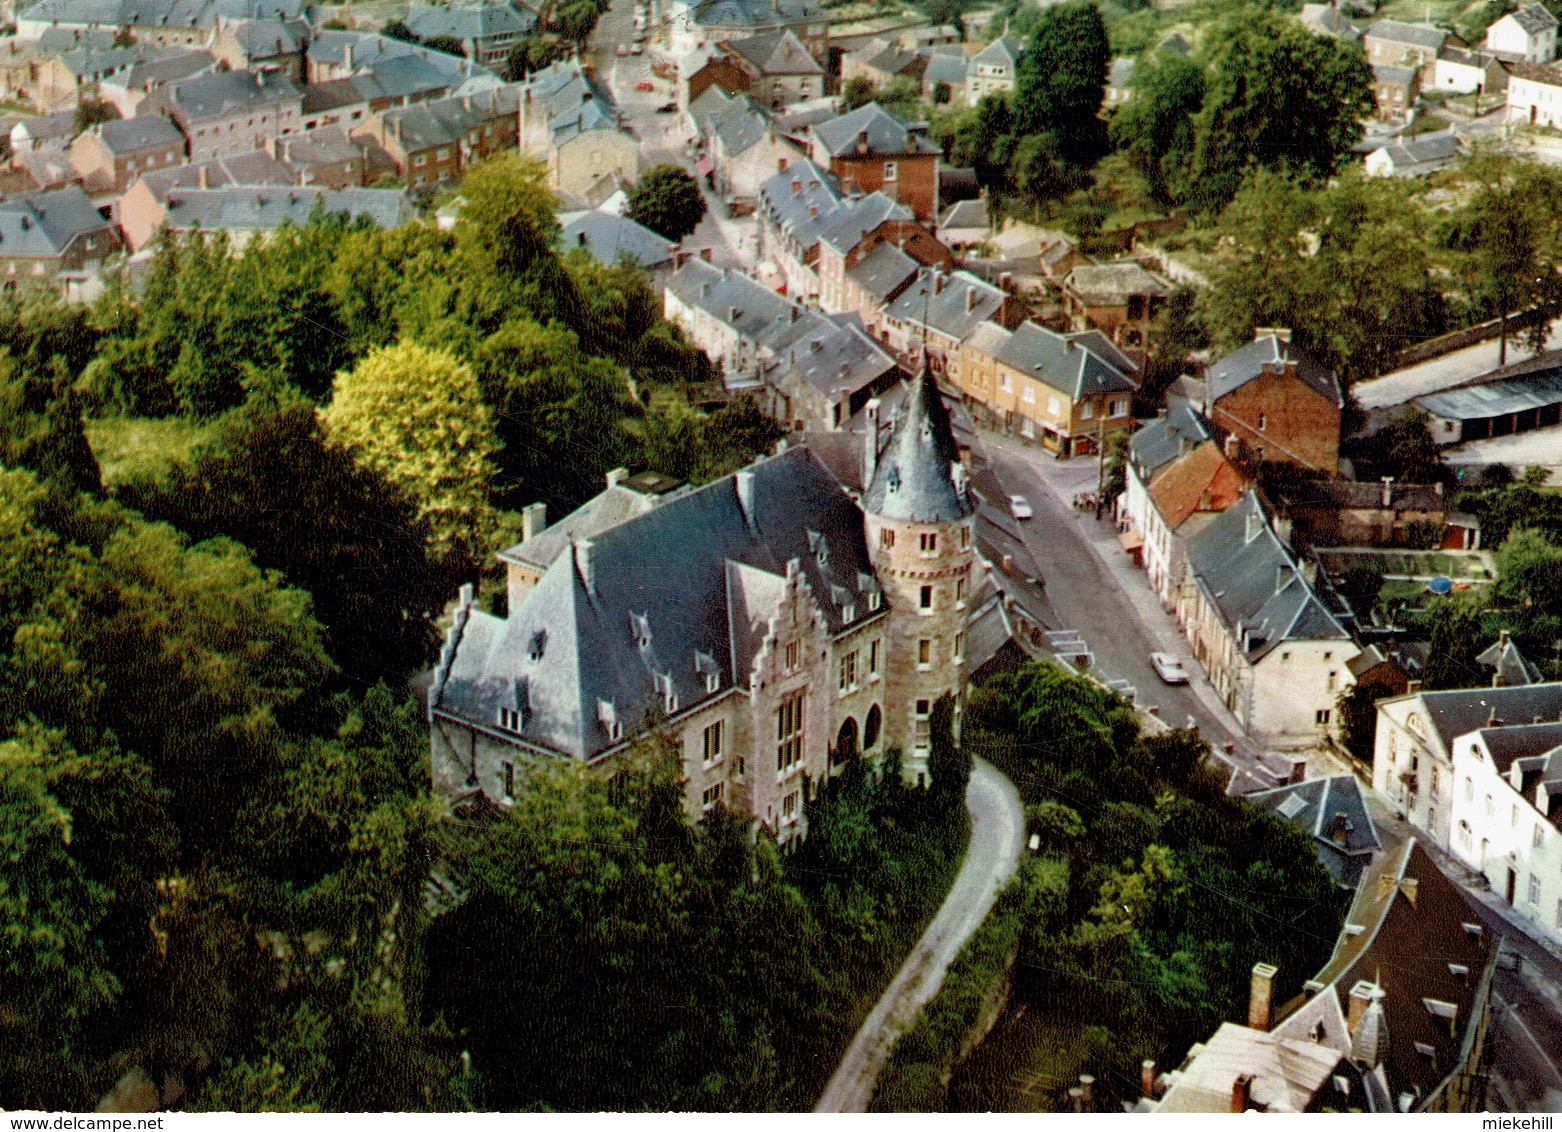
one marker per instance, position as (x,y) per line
(858,92)
(948,765)
(1456,639)
(1529,567)
(416,417)
(1062,80)
(1276,97)
(41,428)
(1402,448)
(668,201)
(398,29)
(1155,128)
(448,44)
(91,111)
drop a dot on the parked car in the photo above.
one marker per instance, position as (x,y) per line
(636,49)
(645,86)
(1020,507)
(622,50)
(667,108)
(1168,668)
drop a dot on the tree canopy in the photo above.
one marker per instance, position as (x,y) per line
(668,201)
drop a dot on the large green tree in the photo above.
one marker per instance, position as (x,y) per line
(1062,80)
(668,201)
(1155,128)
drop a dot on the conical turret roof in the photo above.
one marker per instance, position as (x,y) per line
(919,477)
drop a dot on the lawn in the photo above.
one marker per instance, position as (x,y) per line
(1027,1064)
(1423,565)
(130,448)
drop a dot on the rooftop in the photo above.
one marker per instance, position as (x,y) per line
(609,236)
(872,130)
(1416,35)
(1111,284)
(1270,353)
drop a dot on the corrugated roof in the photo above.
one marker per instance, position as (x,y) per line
(1497,398)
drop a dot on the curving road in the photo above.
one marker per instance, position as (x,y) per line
(997,837)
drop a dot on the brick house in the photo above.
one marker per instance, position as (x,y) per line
(111,155)
(1395,43)
(432,143)
(487,32)
(325,157)
(872,151)
(706,68)
(1279,402)
(1119,299)
(230,112)
(779,69)
(1395,90)
(48,237)
(878,229)
(772,626)
(142,209)
(274,43)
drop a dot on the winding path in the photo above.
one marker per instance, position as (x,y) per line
(997,837)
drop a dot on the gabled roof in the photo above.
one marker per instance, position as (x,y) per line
(854,218)
(805,213)
(1533,18)
(777,53)
(1508,665)
(447,121)
(741,302)
(836,360)
(221,94)
(59,126)
(1111,284)
(43,224)
(1266,355)
(1255,584)
(467,21)
(1317,805)
(254,168)
(125,136)
(1053,359)
(885,57)
(884,272)
(267,39)
(156,69)
(885,134)
(607,236)
(1203,480)
(1506,745)
(1327,18)
(1415,35)
(1121,73)
(1425,150)
(954,305)
(1006,49)
(919,477)
(1167,437)
(944,67)
(250,208)
(966,214)
(1391,73)
(663,600)
(1459,711)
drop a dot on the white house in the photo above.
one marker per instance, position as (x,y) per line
(1466,70)
(1412,762)
(1507,816)
(1535,94)
(993,69)
(1415,157)
(1528,35)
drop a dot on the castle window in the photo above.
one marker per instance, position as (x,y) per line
(712,740)
(791,655)
(887,539)
(929,542)
(926,600)
(965,537)
(873,599)
(871,727)
(789,732)
(959,646)
(873,658)
(924,653)
(959,589)
(789,808)
(507,770)
(510,719)
(712,797)
(848,674)
(1321,716)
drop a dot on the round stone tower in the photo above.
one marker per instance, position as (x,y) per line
(919,516)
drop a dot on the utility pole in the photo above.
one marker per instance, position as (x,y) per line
(1101,455)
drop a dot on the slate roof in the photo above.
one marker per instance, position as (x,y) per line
(1527,740)
(963,303)
(885,57)
(1533,18)
(1161,441)
(469,21)
(672,594)
(1415,35)
(135,135)
(817,189)
(1328,18)
(835,360)
(158,13)
(608,508)
(573,101)
(250,208)
(740,125)
(757,313)
(1313,805)
(855,217)
(919,477)
(1121,73)
(43,224)
(221,94)
(607,236)
(156,69)
(1243,365)
(754,13)
(1111,284)
(1391,73)
(884,272)
(944,67)
(966,214)
(1459,711)
(60,126)
(1508,665)
(254,168)
(447,121)
(1341,495)
(887,135)
(268,39)
(1055,361)
(1428,150)
(1006,49)
(777,53)
(1203,480)
(1255,584)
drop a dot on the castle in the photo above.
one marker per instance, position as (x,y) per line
(770,623)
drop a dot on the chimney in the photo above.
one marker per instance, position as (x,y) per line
(1076,1099)
(970,299)
(203,177)
(813,211)
(1241,1092)
(1147,1078)
(862,141)
(1491,717)
(1281,332)
(1007,564)
(744,482)
(1087,1086)
(1411,887)
(347,56)
(870,445)
(534,517)
(1388,492)
(580,238)
(1260,995)
(732,314)
(1233,446)
(583,564)
(1360,999)
(1340,831)
(797,186)
(1206,499)
(617,476)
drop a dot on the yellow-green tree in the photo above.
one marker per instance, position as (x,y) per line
(416,417)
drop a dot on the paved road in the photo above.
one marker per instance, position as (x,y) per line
(997,836)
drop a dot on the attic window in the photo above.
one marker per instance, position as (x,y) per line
(1474,930)
(1426,1051)
(539,644)
(1445,1010)
(1459,970)
(664,688)
(1292,806)
(640,624)
(705,665)
(873,599)
(511,719)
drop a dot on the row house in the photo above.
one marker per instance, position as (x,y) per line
(48,239)
(1274,652)
(1417,737)
(869,256)
(111,155)
(795,207)
(141,209)
(433,143)
(230,112)
(1506,818)
(163,22)
(1281,403)
(247,212)
(127,89)
(820,382)
(743,147)
(1068,392)
(571,122)
(335,54)
(779,70)
(282,44)
(872,150)
(487,32)
(1175,432)
(327,157)
(692,24)
(940,312)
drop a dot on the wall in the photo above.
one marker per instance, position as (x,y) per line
(1407,745)
(1301,426)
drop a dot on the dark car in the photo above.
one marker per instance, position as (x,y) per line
(667,108)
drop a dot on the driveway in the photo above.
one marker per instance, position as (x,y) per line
(997,837)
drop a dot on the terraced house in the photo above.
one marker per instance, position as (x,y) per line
(771,625)
(432,143)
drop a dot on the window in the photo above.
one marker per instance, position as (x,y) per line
(870,729)
(848,675)
(713,737)
(510,719)
(929,542)
(965,537)
(712,796)
(789,732)
(959,589)
(923,708)
(959,653)
(1263,421)
(791,655)
(1321,717)
(1469,789)
(1490,809)
(1120,406)
(1534,888)
(1540,837)
(924,652)
(1028,395)
(873,600)
(891,171)
(925,600)
(887,539)
(1087,410)
(1054,406)
(1334,679)
(873,658)
(1513,820)
(1434,781)
(789,807)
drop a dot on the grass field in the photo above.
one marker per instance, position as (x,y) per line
(131,448)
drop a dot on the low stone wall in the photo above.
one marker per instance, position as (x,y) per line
(1430,348)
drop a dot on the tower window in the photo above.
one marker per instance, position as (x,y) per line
(848,674)
(929,542)
(887,539)
(791,655)
(959,645)
(965,537)
(873,657)
(959,589)
(713,741)
(926,600)
(873,599)
(924,652)
(508,771)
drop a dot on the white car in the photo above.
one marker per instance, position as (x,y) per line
(1019,507)
(622,50)
(1169,668)
(636,49)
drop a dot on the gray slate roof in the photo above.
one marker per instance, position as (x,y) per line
(1255,584)
(1391,73)
(469,21)
(573,101)
(447,121)
(944,67)
(956,309)
(1006,49)
(254,168)
(1534,19)
(1163,440)
(886,134)
(757,313)
(1066,366)
(222,94)
(60,126)
(777,53)
(249,208)
(1113,283)
(607,236)
(854,217)
(1415,35)
(1459,711)
(267,39)
(135,135)
(1429,149)
(966,214)
(159,13)
(664,598)
(757,14)
(884,271)
(1243,365)
(43,224)
(817,190)
(919,477)
(836,360)
(1509,666)
(1313,805)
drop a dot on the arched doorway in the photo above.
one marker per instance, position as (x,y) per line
(870,729)
(846,741)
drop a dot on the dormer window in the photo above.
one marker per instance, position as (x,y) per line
(873,600)
(607,716)
(640,625)
(664,688)
(539,644)
(511,720)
